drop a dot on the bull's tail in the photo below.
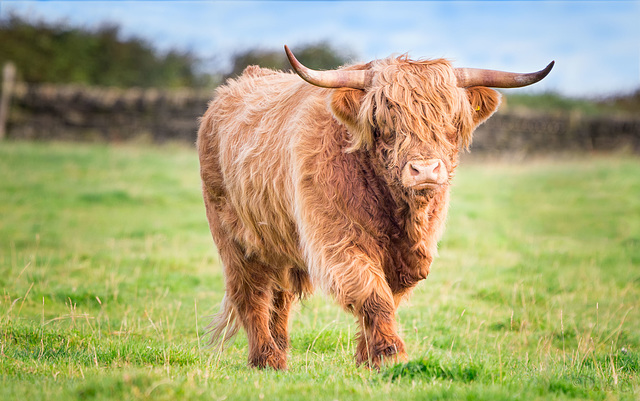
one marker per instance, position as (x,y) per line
(224,324)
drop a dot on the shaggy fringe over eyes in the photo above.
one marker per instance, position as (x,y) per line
(413,99)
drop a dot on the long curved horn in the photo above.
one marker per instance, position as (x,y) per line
(355,79)
(468,77)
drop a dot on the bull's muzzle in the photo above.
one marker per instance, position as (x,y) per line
(422,174)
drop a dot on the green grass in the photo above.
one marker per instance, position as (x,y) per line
(108,272)
(553,104)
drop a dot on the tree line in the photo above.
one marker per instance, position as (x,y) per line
(55,52)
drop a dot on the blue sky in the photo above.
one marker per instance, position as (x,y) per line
(596,45)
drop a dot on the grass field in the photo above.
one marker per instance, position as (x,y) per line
(108,273)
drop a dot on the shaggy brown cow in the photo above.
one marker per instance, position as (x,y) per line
(343,184)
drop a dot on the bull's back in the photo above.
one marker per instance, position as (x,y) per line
(247,143)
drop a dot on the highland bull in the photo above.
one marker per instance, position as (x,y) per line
(341,184)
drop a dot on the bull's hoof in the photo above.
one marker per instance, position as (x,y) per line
(391,358)
(382,354)
(269,357)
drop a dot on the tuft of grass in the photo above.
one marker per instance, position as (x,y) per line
(108,274)
(436,367)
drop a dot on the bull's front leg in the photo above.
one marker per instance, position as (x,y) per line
(360,287)
(378,340)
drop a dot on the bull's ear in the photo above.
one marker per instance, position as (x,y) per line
(345,104)
(484,102)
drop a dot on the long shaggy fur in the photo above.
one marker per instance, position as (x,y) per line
(302,189)
(224,325)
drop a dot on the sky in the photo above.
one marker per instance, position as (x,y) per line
(596,44)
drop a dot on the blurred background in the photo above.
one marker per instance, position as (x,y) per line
(93,70)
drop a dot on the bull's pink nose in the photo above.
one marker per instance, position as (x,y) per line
(424,173)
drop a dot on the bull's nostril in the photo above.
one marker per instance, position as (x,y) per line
(436,169)
(414,171)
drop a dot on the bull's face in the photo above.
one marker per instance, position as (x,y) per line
(414,116)
(420,119)
(415,119)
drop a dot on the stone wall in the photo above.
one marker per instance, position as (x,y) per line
(530,133)
(53,112)
(48,112)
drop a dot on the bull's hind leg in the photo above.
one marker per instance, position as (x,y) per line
(299,285)
(250,292)
(279,322)
(249,286)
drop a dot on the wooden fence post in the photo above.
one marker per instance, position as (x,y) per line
(8,81)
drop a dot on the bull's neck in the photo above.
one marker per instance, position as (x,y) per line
(409,218)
